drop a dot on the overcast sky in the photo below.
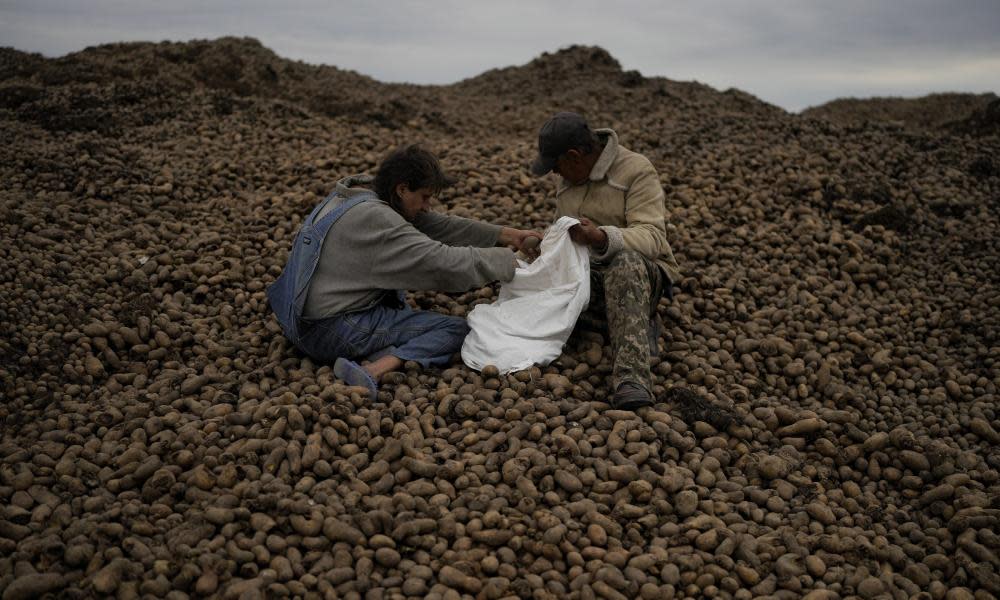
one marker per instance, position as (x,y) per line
(793,53)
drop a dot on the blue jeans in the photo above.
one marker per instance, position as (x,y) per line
(426,337)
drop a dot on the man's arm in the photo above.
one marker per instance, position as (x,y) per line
(457,231)
(372,247)
(406,258)
(645,230)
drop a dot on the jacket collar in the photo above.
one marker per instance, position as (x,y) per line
(354,184)
(608,155)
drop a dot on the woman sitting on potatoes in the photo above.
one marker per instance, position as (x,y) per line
(340,299)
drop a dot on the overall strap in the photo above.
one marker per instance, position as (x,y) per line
(287,295)
(317,230)
(319,207)
(336,213)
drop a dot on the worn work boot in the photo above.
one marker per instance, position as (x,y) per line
(630,396)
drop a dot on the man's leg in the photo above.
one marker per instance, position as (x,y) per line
(392,335)
(425,337)
(344,339)
(632,284)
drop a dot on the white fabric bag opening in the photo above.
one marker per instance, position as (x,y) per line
(536,311)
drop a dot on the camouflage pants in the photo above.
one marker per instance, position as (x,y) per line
(627,290)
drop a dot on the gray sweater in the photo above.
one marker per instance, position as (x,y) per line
(372,249)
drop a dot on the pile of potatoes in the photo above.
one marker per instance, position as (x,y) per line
(827,373)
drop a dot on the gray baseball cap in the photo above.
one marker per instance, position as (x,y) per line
(565,130)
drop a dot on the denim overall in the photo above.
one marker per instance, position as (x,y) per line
(287,294)
(390,327)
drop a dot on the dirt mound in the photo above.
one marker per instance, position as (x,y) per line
(929,113)
(827,377)
(151,78)
(984,121)
(588,80)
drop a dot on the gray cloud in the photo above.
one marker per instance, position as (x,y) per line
(793,53)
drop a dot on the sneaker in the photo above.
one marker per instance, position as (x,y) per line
(354,374)
(630,396)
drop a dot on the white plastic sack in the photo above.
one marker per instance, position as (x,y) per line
(535,312)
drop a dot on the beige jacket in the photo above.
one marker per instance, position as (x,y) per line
(624,198)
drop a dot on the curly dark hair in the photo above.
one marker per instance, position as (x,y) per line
(412,165)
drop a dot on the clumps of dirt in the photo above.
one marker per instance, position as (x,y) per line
(984,167)
(889,217)
(694,407)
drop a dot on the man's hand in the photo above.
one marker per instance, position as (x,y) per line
(519,239)
(587,234)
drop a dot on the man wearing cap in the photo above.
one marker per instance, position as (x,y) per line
(617,196)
